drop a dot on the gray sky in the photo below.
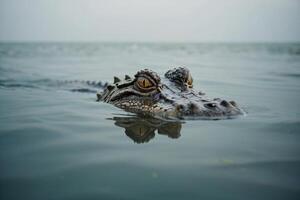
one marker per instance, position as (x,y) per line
(150,20)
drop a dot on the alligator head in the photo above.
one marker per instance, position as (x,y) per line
(171,96)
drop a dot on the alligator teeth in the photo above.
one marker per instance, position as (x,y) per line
(127,77)
(116,79)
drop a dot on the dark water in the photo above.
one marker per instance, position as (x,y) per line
(57,144)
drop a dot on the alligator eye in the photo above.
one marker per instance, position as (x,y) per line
(144,83)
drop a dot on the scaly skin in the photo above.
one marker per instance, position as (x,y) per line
(169,97)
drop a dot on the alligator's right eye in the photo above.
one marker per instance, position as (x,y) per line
(144,83)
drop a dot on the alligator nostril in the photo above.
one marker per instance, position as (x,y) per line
(224,103)
(210,105)
(180,107)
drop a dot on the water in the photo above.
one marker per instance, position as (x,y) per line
(57,144)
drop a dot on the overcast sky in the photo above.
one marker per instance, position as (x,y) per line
(150,20)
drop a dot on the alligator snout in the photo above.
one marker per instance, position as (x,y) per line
(208,108)
(191,108)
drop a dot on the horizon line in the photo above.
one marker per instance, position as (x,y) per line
(132,41)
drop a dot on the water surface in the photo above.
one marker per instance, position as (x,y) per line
(58,144)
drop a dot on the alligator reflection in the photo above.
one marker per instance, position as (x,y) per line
(142,130)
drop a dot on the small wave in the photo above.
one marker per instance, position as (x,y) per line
(73,86)
(290,75)
(14,84)
(83,90)
(17,85)
(284,127)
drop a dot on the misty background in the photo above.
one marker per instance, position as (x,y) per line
(58,142)
(148,21)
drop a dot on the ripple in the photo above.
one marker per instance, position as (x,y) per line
(284,127)
(290,75)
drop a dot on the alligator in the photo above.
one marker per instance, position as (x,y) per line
(169,97)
